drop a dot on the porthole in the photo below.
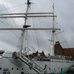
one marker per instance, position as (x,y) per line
(22,72)
(0,68)
(22,68)
(12,68)
(17,69)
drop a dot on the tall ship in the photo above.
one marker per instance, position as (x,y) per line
(36,39)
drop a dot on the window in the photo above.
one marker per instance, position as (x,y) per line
(6,71)
(22,72)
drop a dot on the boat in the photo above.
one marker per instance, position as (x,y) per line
(23,62)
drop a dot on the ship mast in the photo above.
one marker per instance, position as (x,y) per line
(53,32)
(25,26)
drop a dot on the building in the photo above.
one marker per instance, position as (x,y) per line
(59,50)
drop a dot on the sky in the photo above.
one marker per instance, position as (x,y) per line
(64,11)
(65,20)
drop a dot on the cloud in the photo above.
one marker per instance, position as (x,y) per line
(64,11)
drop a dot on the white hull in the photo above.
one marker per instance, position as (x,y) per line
(18,67)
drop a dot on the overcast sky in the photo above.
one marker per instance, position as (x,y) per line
(63,10)
(65,13)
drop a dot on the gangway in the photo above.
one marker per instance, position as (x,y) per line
(30,63)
